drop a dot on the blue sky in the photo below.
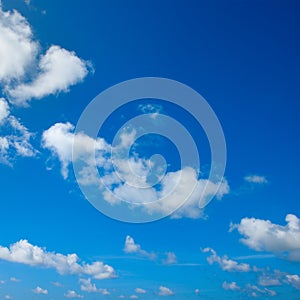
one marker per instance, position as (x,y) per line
(242,57)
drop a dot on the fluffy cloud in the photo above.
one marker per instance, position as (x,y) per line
(72,294)
(225,263)
(58,70)
(255,291)
(39,290)
(140,291)
(26,75)
(15,138)
(86,285)
(164,291)
(256,179)
(181,191)
(170,259)
(232,286)
(131,247)
(25,253)
(263,235)
(294,280)
(17,48)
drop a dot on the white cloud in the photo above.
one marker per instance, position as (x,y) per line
(26,75)
(4,110)
(232,286)
(39,290)
(269,280)
(263,235)
(15,138)
(25,253)
(131,247)
(255,291)
(59,140)
(58,70)
(258,179)
(225,263)
(17,47)
(8,296)
(170,259)
(72,294)
(164,291)
(133,297)
(294,280)
(86,285)
(176,187)
(14,279)
(140,291)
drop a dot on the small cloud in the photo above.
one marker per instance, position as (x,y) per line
(232,286)
(140,291)
(56,283)
(197,291)
(8,297)
(294,280)
(72,294)
(225,263)
(131,247)
(171,259)
(39,290)
(133,297)
(256,179)
(164,291)
(14,279)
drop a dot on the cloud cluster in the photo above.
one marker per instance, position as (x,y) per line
(164,291)
(39,290)
(263,235)
(119,182)
(25,253)
(256,179)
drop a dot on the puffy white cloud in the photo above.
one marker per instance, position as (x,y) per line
(59,139)
(86,285)
(263,235)
(294,280)
(17,47)
(4,110)
(133,297)
(26,75)
(58,70)
(258,179)
(225,263)
(231,286)
(164,291)
(140,291)
(25,253)
(15,138)
(72,294)
(170,259)
(269,279)
(14,279)
(39,290)
(7,296)
(131,247)
(255,291)
(179,191)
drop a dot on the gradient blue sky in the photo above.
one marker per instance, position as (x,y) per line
(243,57)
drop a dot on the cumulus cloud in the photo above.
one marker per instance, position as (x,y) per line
(225,263)
(17,47)
(86,285)
(140,291)
(255,291)
(164,291)
(263,235)
(294,280)
(24,73)
(179,191)
(131,247)
(25,253)
(170,259)
(72,294)
(15,138)
(231,286)
(270,279)
(257,179)
(39,290)
(58,70)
